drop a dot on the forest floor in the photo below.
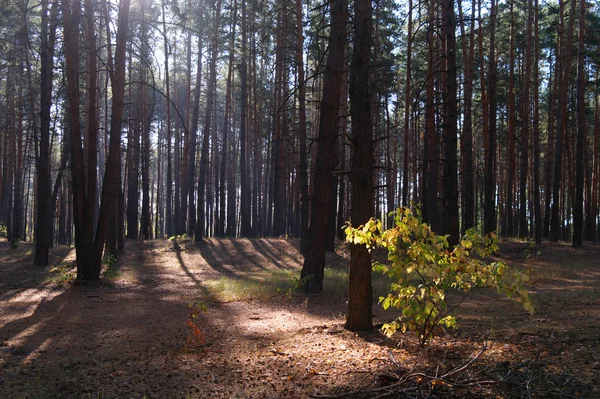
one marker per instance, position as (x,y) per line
(129,335)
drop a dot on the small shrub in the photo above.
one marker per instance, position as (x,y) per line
(109,259)
(14,244)
(61,274)
(423,269)
(296,284)
(3,231)
(196,338)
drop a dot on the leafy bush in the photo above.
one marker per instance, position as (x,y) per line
(109,259)
(3,231)
(423,270)
(14,244)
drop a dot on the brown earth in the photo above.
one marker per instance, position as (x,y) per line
(127,335)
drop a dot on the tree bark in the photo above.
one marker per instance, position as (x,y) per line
(450,130)
(314,261)
(43,229)
(212,78)
(508,219)
(490,181)
(581,132)
(302,167)
(468,182)
(407,100)
(245,215)
(536,132)
(360,300)
(555,227)
(523,227)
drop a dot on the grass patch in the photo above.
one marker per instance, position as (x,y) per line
(267,284)
(262,285)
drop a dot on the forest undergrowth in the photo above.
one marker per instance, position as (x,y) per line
(223,320)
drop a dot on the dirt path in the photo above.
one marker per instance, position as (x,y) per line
(126,336)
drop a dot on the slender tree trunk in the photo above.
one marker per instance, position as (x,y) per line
(523,228)
(555,227)
(536,132)
(303,168)
(200,214)
(596,172)
(279,220)
(43,229)
(169,176)
(468,183)
(431,212)
(360,300)
(581,132)
(112,178)
(508,219)
(133,155)
(245,214)
(314,261)
(490,181)
(450,131)
(548,178)
(407,100)
(193,143)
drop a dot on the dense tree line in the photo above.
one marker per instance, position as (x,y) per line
(245,118)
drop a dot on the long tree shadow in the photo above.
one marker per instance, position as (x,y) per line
(264,251)
(209,252)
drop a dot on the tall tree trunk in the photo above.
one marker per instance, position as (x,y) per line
(431,212)
(279,221)
(555,227)
(212,78)
(314,261)
(581,132)
(43,229)
(468,182)
(450,124)
(112,178)
(245,211)
(302,167)
(536,131)
(88,260)
(227,117)
(508,219)
(407,99)
(133,159)
(193,143)
(548,178)
(596,172)
(169,176)
(360,300)
(490,181)
(523,228)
